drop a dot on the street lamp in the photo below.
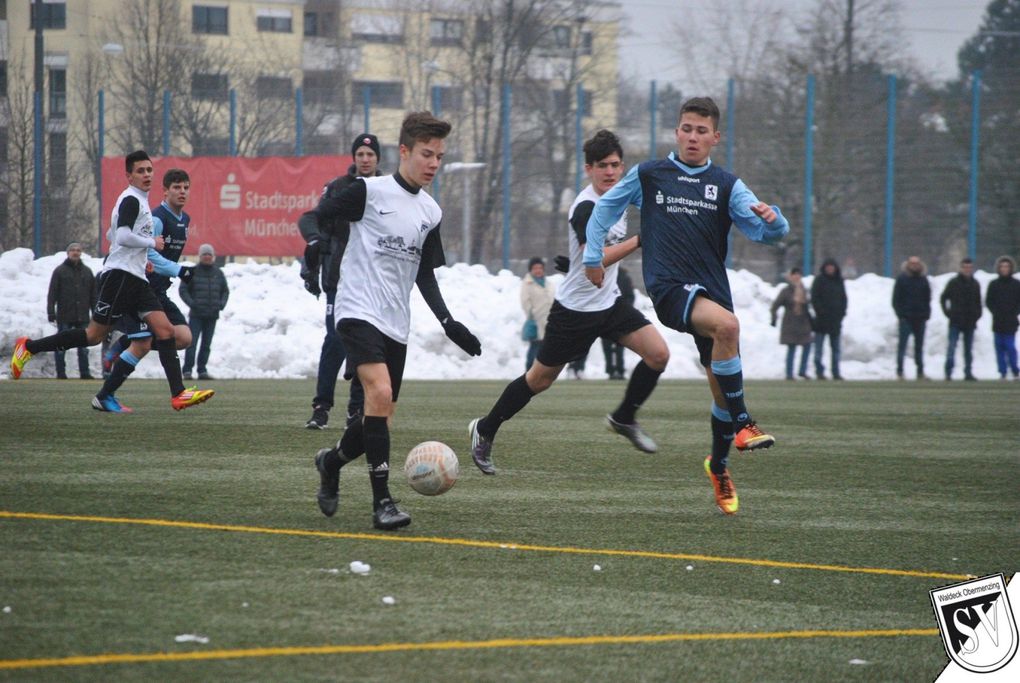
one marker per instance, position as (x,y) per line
(463,168)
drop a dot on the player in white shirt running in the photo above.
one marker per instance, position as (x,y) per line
(394,244)
(581,314)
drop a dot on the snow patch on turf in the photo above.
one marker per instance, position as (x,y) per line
(191,638)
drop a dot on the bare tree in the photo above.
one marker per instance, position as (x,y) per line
(16,183)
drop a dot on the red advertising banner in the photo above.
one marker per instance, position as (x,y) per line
(247,206)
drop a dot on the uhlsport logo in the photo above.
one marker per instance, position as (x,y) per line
(977,623)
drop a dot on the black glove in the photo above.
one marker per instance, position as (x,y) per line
(773,323)
(52,318)
(462,337)
(187,272)
(562,263)
(311,278)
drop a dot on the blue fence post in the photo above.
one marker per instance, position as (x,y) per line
(233,123)
(975,132)
(506,174)
(101,149)
(366,97)
(166,123)
(809,171)
(579,140)
(653,111)
(37,176)
(299,124)
(730,108)
(890,175)
(437,111)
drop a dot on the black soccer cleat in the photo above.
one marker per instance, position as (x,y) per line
(638,437)
(481,449)
(319,419)
(329,485)
(388,516)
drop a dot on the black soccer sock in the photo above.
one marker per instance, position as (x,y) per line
(124,366)
(729,373)
(351,445)
(377,452)
(515,396)
(171,364)
(722,437)
(61,341)
(639,388)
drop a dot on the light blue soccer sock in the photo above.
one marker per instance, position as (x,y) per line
(722,438)
(124,366)
(729,373)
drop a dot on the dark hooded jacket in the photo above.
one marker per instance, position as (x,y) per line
(828,299)
(1003,300)
(912,294)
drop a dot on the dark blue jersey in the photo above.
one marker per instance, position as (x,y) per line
(686,215)
(175,236)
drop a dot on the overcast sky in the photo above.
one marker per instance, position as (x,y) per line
(936,29)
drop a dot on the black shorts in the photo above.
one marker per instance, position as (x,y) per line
(120,293)
(570,334)
(674,311)
(366,344)
(136,328)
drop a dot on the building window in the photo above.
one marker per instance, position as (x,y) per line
(377,28)
(54,15)
(483,32)
(446,31)
(382,95)
(319,87)
(209,87)
(562,102)
(311,24)
(58,93)
(3,145)
(274,21)
(560,38)
(3,78)
(210,20)
(451,98)
(58,159)
(274,87)
(587,41)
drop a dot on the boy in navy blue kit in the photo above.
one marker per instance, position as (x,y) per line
(687,207)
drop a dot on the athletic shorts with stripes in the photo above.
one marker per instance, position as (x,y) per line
(120,293)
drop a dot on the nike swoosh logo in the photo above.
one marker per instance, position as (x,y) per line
(385,213)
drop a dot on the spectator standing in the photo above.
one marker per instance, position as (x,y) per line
(1003,300)
(912,303)
(961,303)
(206,295)
(69,304)
(796,329)
(537,295)
(612,349)
(828,298)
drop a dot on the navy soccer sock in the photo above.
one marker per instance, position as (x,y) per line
(61,341)
(124,366)
(515,396)
(167,349)
(729,373)
(639,388)
(377,452)
(722,438)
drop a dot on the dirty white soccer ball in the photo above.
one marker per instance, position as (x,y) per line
(431,468)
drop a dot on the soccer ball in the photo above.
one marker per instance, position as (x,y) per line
(431,468)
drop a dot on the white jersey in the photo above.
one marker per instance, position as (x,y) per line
(577,292)
(382,257)
(130,259)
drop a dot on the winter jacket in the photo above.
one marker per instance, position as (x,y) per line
(912,295)
(207,292)
(961,302)
(536,300)
(828,298)
(72,294)
(1003,300)
(796,327)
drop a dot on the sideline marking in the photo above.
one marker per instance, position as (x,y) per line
(435,540)
(89,660)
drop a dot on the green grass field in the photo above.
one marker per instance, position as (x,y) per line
(118,533)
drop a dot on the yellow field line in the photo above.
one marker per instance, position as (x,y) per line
(90,660)
(395,538)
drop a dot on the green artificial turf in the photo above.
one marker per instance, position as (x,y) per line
(918,481)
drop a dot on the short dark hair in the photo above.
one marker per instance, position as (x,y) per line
(131,159)
(175,175)
(796,271)
(702,106)
(968,261)
(603,144)
(422,126)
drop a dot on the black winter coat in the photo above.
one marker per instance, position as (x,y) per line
(828,299)
(912,297)
(72,294)
(1003,300)
(961,302)
(207,292)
